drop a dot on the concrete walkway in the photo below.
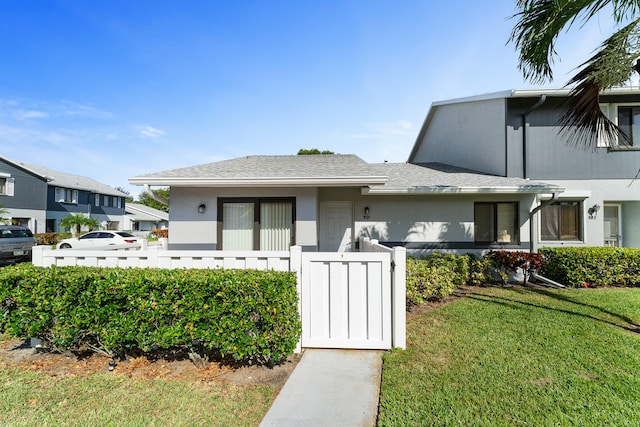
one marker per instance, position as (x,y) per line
(329,388)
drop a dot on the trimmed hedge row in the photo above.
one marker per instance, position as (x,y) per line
(435,276)
(592,266)
(245,315)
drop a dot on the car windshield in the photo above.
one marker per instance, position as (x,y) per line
(124,234)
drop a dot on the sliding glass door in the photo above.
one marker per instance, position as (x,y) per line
(265,224)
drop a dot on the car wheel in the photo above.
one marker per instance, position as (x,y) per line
(65,246)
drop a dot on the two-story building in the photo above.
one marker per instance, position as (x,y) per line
(516,134)
(39,197)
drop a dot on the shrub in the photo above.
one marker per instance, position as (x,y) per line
(512,261)
(425,282)
(592,266)
(245,315)
(50,238)
(160,232)
(435,276)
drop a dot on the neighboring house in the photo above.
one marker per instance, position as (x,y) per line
(39,197)
(326,202)
(514,134)
(141,218)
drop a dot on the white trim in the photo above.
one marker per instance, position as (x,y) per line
(260,182)
(445,189)
(619,206)
(570,194)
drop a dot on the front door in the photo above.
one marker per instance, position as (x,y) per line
(336,219)
(612,225)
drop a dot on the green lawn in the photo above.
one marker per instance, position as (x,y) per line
(32,399)
(519,356)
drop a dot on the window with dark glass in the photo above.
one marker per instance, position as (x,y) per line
(629,124)
(496,223)
(561,221)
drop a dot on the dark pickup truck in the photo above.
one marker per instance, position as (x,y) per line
(15,243)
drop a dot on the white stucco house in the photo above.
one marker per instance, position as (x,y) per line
(142,219)
(326,202)
(515,134)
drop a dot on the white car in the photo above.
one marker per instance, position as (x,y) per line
(99,240)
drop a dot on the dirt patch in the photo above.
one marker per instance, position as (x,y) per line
(18,354)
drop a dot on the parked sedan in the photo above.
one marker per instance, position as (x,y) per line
(99,240)
(15,243)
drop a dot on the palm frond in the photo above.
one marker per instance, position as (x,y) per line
(539,24)
(584,125)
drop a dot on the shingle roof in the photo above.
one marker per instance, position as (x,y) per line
(66,180)
(321,169)
(347,170)
(441,178)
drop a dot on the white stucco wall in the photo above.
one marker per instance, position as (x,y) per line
(625,192)
(426,219)
(37,218)
(190,229)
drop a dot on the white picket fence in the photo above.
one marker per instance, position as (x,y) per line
(157,257)
(390,313)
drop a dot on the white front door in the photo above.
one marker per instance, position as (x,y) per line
(336,226)
(612,235)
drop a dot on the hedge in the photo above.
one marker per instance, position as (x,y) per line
(592,266)
(435,276)
(246,316)
(51,238)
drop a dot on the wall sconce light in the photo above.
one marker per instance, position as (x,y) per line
(202,208)
(366,212)
(593,211)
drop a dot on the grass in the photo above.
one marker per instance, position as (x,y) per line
(28,399)
(519,356)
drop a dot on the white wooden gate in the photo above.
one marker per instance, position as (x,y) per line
(346,300)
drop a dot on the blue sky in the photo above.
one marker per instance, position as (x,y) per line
(114,89)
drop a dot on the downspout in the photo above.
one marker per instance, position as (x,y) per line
(154,196)
(525,125)
(533,247)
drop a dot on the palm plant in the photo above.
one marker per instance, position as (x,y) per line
(78,221)
(539,24)
(3,211)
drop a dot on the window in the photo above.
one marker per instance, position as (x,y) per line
(561,221)
(629,123)
(265,224)
(496,223)
(66,195)
(6,185)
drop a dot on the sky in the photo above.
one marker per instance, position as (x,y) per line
(115,89)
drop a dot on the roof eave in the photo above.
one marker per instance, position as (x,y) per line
(261,182)
(460,190)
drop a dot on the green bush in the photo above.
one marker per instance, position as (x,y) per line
(592,266)
(50,238)
(246,316)
(435,276)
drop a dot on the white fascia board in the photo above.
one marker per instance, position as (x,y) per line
(461,190)
(571,194)
(143,212)
(261,182)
